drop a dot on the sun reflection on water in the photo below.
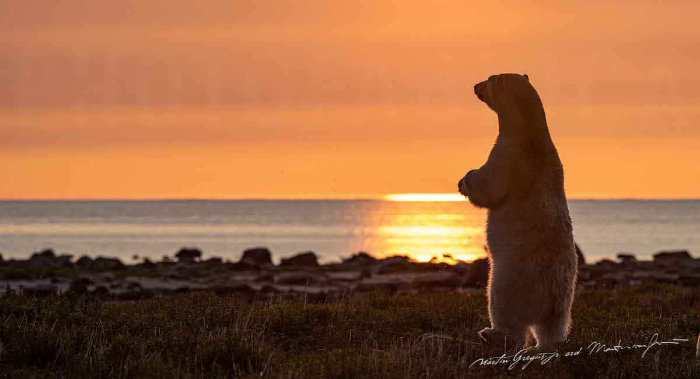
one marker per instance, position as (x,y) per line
(429,231)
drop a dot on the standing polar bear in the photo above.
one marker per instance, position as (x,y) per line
(529,234)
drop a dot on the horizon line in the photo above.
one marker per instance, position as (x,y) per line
(402,197)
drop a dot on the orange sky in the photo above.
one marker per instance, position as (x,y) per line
(136,99)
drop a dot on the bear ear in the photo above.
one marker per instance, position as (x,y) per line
(526,77)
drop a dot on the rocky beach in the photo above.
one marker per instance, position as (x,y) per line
(256,277)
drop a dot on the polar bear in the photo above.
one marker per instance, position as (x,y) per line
(534,266)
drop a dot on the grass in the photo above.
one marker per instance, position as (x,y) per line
(201,335)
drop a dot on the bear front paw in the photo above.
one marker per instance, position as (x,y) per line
(463,185)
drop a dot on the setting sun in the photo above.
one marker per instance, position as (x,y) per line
(425,197)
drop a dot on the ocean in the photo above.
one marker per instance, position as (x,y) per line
(333,229)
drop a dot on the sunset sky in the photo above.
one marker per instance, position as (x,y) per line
(256,98)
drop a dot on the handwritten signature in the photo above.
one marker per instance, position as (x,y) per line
(521,357)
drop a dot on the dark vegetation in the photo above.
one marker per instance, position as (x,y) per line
(379,335)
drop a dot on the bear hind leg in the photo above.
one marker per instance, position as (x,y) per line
(551,331)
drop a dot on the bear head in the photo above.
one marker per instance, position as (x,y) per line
(501,92)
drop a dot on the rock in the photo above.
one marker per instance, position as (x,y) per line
(655,277)
(107,277)
(397,263)
(257,256)
(596,271)
(579,254)
(305,259)
(626,258)
(584,274)
(432,265)
(612,279)
(100,291)
(360,259)
(444,279)
(645,265)
(148,265)
(345,276)
(184,271)
(242,266)
(106,264)
(84,263)
(690,280)
(64,260)
(662,277)
(297,278)
(80,285)
(264,277)
(188,255)
(47,258)
(37,261)
(214,261)
(606,264)
(391,282)
(694,266)
(461,268)
(46,253)
(478,274)
(213,265)
(165,264)
(672,256)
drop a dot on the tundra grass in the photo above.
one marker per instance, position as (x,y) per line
(201,335)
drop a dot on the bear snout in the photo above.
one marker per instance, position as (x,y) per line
(480,90)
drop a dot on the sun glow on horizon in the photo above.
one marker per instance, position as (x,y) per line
(424,197)
(446,258)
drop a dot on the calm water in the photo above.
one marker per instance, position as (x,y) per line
(332,229)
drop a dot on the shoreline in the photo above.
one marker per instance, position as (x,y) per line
(255,276)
